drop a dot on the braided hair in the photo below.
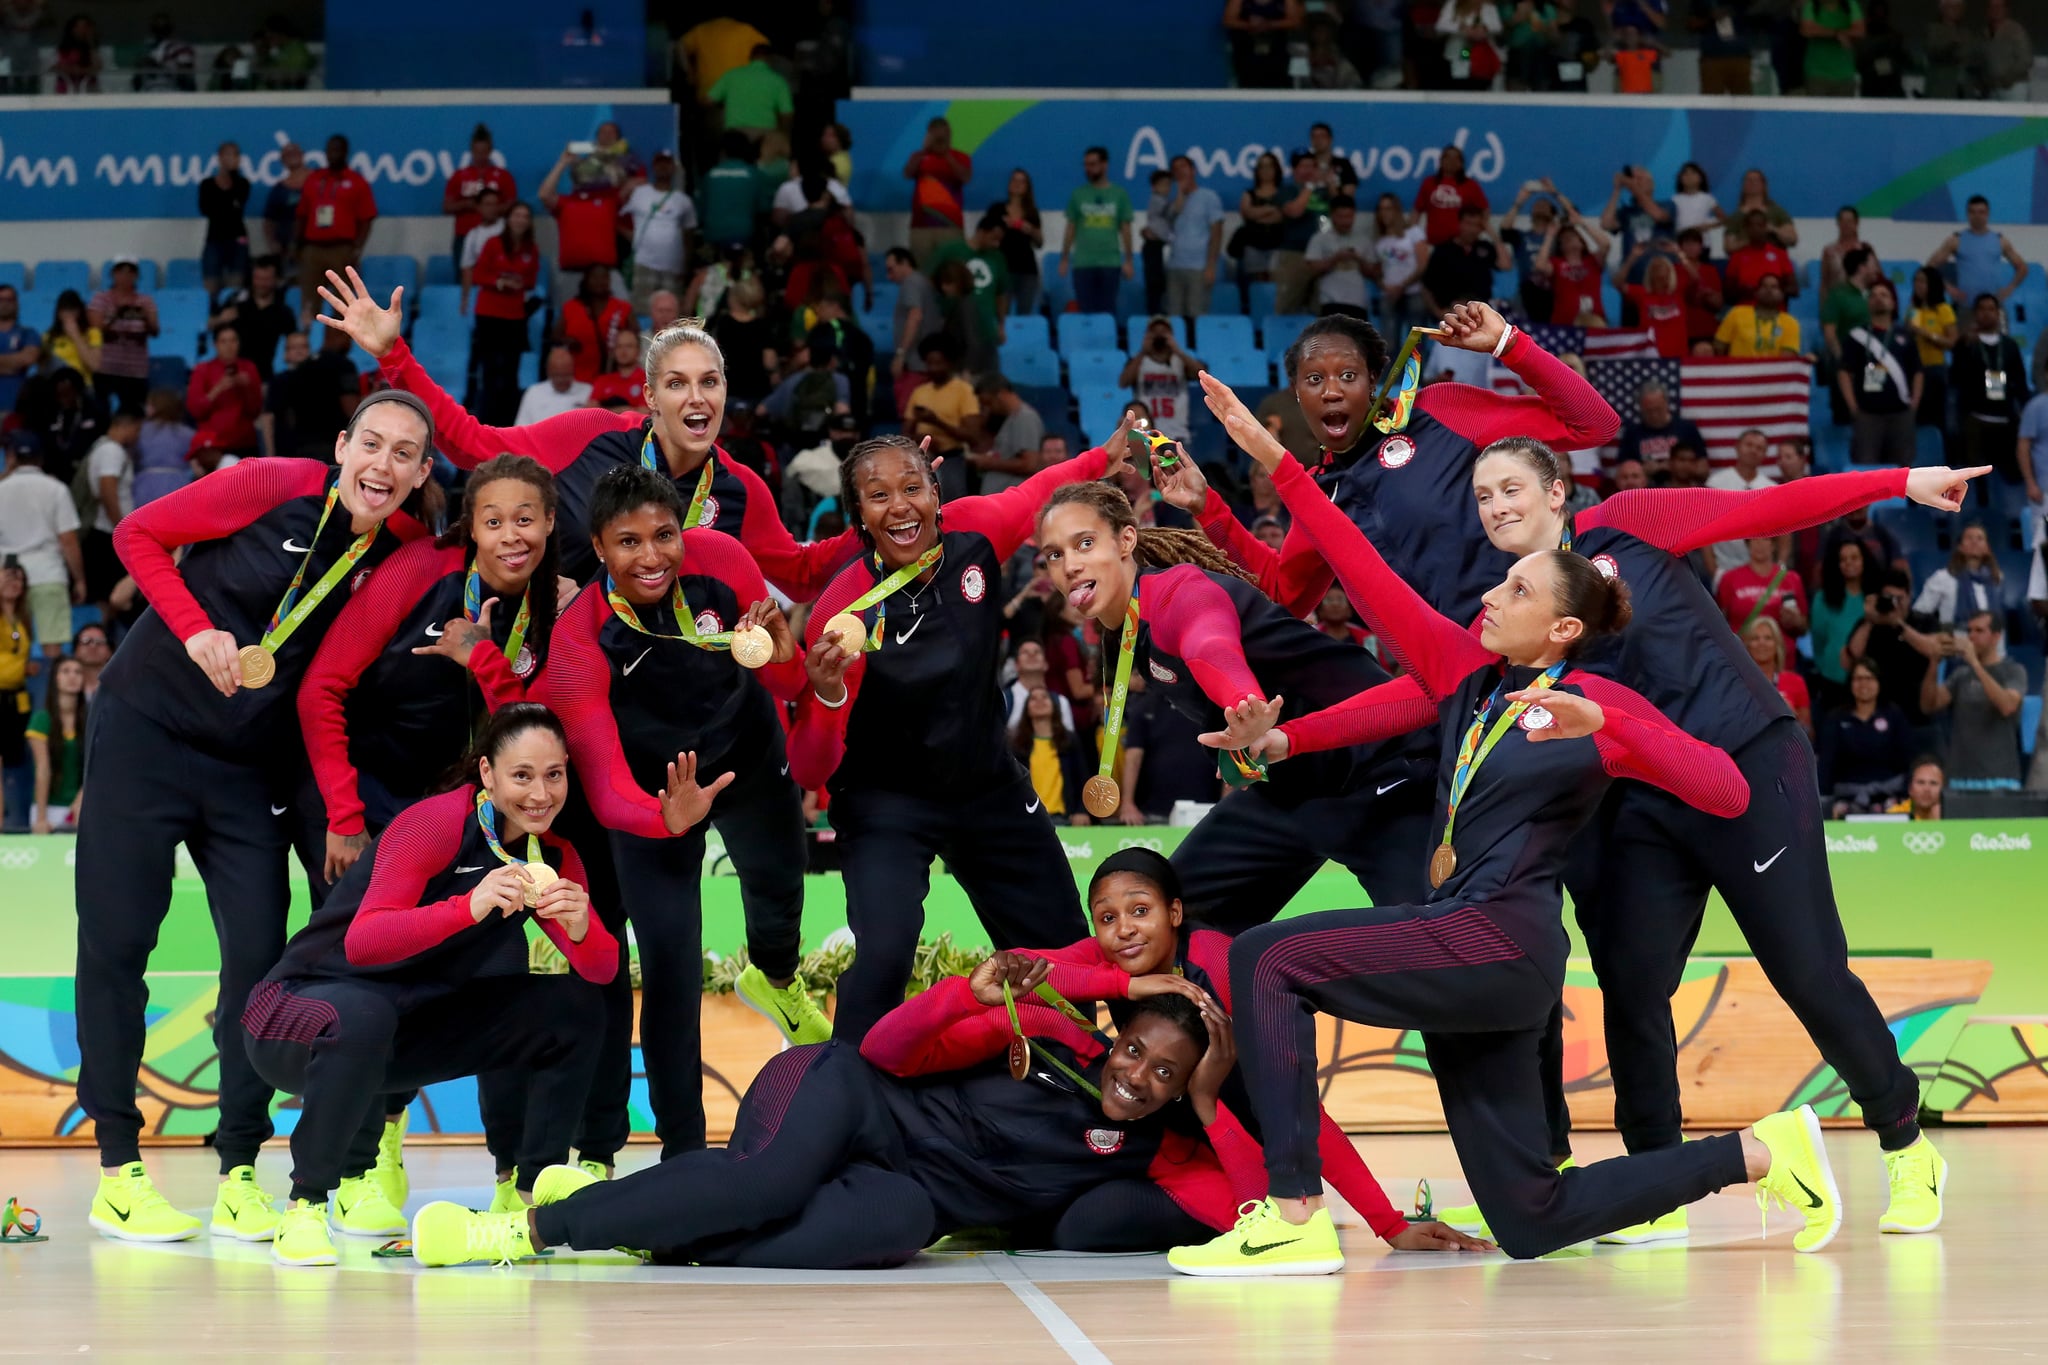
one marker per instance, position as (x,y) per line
(849,475)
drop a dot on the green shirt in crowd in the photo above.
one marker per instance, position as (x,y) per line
(1827,59)
(991,276)
(1846,307)
(752,95)
(1096,212)
(67,758)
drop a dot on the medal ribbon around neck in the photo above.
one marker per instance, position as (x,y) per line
(1472,753)
(650,458)
(1052,997)
(292,610)
(473,609)
(685,622)
(1120,693)
(884,589)
(487,818)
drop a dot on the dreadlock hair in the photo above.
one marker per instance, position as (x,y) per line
(1158,547)
(1342,327)
(849,475)
(461,534)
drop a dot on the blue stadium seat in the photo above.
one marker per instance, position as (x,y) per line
(1241,368)
(1028,329)
(1033,365)
(1051,401)
(146,275)
(54,277)
(382,274)
(885,297)
(1086,332)
(182,313)
(1279,333)
(1229,332)
(1610,299)
(529,370)
(182,272)
(1094,369)
(1059,292)
(16,274)
(442,303)
(1927,447)
(1100,409)
(441,270)
(169,372)
(881,329)
(442,332)
(1134,331)
(1264,299)
(1507,284)
(2030,722)
(1130,295)
(1899,273)
(1225,298)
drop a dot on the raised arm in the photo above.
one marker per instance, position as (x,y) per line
(1194,619)
(1296,575)
(1564,411)
(1682,520)
(1080,973)
(1009,517)
(1636,741)
(555,442)
(722,557)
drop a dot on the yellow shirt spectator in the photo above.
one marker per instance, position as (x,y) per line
(1935,320)
(715,47)
(1048,777)
(952,403)
(1743,333)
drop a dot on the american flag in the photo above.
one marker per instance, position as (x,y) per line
(1725,397)
(1596,343)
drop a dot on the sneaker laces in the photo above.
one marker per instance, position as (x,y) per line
(493,1238)
(143,1194)
(1250,1214)
(301,1211)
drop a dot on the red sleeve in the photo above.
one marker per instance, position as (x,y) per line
(1010,517)
(596,959)
(799,570)
(1192,618)
(817,741)
(946,1029)
(1395,707)
(718,554)
(359,635)
(1080,973)
(1682,520)
(494,678)
(1211,1177)
(392,925)
(556,442)
(1295,575)
(211,508)
(1431,646)
(577,684)
(1564,410)
(490,264)
(1637,741)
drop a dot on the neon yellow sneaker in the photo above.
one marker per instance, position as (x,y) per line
(128,1207)
(1669,1228)
(389,1172)
(505,1199)
(1264,1243)
(790,1009)
(556,1183)
(596,1170)
(302,1238)
(1918,1176)
(449,1234)
(361,1210)
(1800,1177)
(243,1210)
(1467,1218)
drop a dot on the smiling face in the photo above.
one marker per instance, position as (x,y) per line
(1135,925)
(527,781)
(1147,1068)
(1518,513)
(1763,645)
(688,398)
(1334,388)
(1521,621)
(642,551)
(511,526)
(382,461)
(1089,561)
(1863,684)
(898,504)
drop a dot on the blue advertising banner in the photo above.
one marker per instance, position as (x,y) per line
(144,158)
(1889,163)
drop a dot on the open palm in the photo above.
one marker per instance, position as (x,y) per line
(356,312)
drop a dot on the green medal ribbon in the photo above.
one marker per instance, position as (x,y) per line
(685,622)
(487,817)
(288,617)
(1238,768)
(1113,713)
(1564,541)
(1407,372)
(1468,759)
(1088,1088)
(473,608)
(650,458)
(887,587)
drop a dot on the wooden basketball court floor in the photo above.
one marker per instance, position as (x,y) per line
(1976,1289)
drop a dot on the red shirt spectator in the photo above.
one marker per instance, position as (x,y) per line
(592,325)
(1575,289)
(335,206)
(1742,587)
(226,394)
(1751,262)
(470,181)
(939,176)
(1701,290)
(628,386)
(1663,315)
(589,224)
(1444,196)
(504,279)
(1792,688)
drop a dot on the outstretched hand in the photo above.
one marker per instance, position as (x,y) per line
(460,636)
(1571,716)
(1472,327)
(683,802)
(1246,432)
(1183,486)
(1941,487)
(1246,723)
(1437,1237)
(357,314)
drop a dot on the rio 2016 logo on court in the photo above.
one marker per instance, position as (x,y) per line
(973,583)
(709,515)
(1925,841)
(1852,843)
(2001,842)
(708,623)
(1396,451)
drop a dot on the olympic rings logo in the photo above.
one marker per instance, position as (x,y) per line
(1928,842)
(1152,844)
(17,859)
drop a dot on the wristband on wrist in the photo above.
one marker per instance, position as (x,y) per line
(830,705)
(1507,336)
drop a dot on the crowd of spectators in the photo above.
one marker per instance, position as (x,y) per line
(43,54)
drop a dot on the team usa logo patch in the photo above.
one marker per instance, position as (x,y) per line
(1538,718)
(1396,451)
(1607,567)
(708,623)
(1161,671)
(708,516)
(362,576)
(1105,1141)
(973,583)
(523,665)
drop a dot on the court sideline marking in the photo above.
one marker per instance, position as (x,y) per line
(1065,1332)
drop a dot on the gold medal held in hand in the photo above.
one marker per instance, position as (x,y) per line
(1101,796)
(1442,864)
(1020,1060)
(853,633)
(259,666)
(539,877)
(752,646)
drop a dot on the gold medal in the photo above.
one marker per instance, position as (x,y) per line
(539,877)
(752,646)
(1020,1060)
(259,666)
(853,633)
(1442,864)
(1101,796)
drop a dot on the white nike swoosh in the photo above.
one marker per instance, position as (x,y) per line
(785,770)
(1032,807)
(292,549)
(904,635)
(436,631)
(1390,786)
(460,870)
(1765,865)
(636,663)
(277,810)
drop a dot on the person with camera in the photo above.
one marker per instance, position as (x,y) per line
(1894,640)
(127,317)
(1982,689)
